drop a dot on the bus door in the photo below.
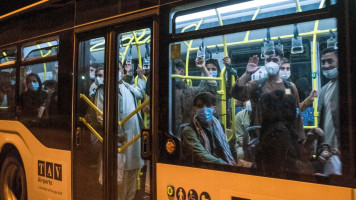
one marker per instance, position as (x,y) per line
(112,113)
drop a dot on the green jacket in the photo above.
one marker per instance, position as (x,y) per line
(194,150)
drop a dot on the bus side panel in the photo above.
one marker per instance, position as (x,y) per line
(224,185)
(48,171)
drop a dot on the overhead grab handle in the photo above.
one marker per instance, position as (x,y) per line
(297,42)
(268,45)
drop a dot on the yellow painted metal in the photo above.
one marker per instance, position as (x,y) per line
(189,46)
(126,145)
(97,110)
(139,102)
(45,55)
(138,49)
(97,135)
(196,77)
(253,18)
(134,112)
(4,107)
(4,53)
(297,5)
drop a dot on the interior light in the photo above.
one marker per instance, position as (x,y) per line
(226,9)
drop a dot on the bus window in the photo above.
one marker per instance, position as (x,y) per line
(7,56)
(90,119)
(7,91)
(134,76)
(224,14)
(40,50)
(265,99)
(39,107)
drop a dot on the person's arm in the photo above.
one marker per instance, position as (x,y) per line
(193,145)
(239,128)
(99,103)
(308,101)
(299,123)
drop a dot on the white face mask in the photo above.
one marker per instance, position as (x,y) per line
(214,73)
(92,76)
(272,68)
(120,76)
(99,81)
(331,73)
(284,74)
(248,106)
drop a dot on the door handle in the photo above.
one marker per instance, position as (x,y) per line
(78,135)
(146,144)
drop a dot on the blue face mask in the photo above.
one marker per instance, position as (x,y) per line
(35,86)
(13,82)
(214,73)
(205,114)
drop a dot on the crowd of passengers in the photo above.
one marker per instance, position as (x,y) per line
(37,100)
(269,134)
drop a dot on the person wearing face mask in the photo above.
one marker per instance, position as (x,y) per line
(328,102)
(245,88)
(242,122)
(284,73)
(184,94)
(204,140)
(99,80)
(127,103)
(33,98)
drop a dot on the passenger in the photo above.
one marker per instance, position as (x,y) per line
(242,122)
(130,159)
(204,140)
(92,69)
(284,73)
(50,86)
(128,75)
(244,89)
(99,79)
(33,98)
(328,108)
(55,72)
(5,86)
(278,150)
(184,94)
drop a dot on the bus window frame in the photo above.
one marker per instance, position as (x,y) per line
(39,41)
(13,62)
(330,11)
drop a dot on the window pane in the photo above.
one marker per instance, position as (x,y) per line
(7,56)
(90,117)
(242,12)
(134,70)
(7,92)
(271,110)
(41,50)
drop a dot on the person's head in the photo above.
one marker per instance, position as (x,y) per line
(120,72)
(33,82)
(179,67)
(92,68)
(127,67)
(273,62)
(212,65)
(204,105)
(329,62)
(50,86)
(99,75)
(284,69)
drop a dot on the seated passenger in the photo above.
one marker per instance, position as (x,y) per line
(50,86)
(33,98)
(184,94)
(204,140)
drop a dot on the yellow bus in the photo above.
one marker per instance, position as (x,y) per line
(168,100)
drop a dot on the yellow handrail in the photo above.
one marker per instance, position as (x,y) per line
(45,55)
(91,104)
(91,129)
(122,122)
(4,53)
(126,145)
(297,5)
(4,107)
(139,101)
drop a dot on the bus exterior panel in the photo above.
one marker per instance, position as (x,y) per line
(47,170)
(225,185)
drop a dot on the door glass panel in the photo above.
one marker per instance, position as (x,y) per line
(269,119)
(133,75)
(89,118)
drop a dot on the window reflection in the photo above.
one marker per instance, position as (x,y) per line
(257,105)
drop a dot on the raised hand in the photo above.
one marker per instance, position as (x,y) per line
(252,65)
